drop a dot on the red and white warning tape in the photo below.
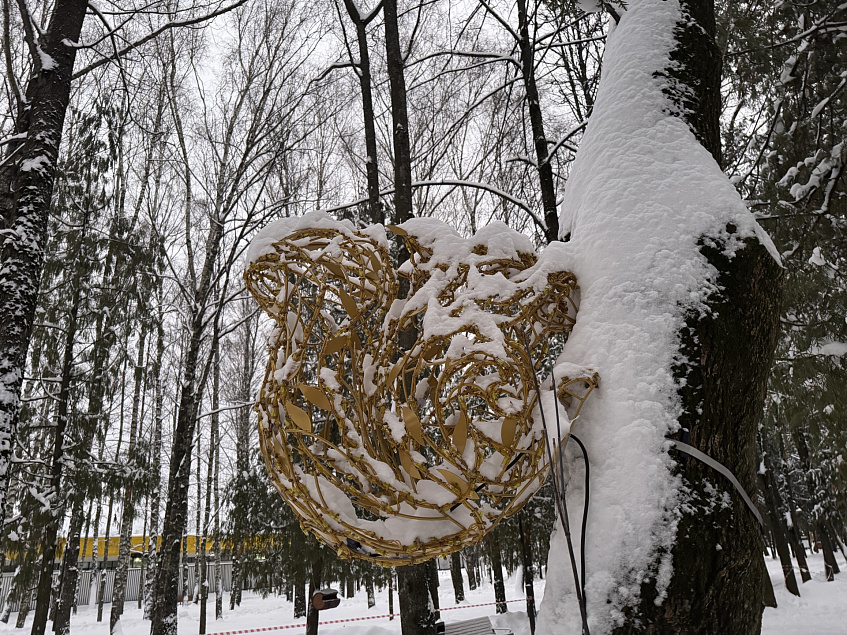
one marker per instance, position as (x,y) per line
(353,619)
(467,606)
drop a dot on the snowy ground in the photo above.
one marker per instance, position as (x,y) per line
(822,610)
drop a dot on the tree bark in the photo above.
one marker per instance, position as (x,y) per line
(416,618)
(399,115)
(315,581)
(391,594)
(376,212)
(497,572)
(128,512)
(728,356)
(830,564)
(369,588)
(26,189)
(176,509)
(70,571)
(536,120)
(299,592)
(836,540)
(697,69)
(470,567)
(210,467)
(219,589)
(433,587)
(101,571)
(778,530)
(721,590)
(524,529)
(153,548)
(456,576)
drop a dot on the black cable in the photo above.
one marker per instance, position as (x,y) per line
(585,508)
(563,516)
(586,497)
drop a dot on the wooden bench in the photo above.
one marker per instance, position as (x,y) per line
(478,626)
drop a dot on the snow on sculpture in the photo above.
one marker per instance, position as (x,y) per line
(398,416)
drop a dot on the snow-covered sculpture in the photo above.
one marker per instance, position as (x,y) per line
(403,428)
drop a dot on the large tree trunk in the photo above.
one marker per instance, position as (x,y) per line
(728,355)
(680,551)
(416,616)
(26,188)
(722,590)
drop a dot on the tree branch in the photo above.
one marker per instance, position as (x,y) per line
(156,33)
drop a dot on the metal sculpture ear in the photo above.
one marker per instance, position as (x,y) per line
(403,428)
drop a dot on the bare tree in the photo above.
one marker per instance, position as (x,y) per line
(246,132)
(28,172)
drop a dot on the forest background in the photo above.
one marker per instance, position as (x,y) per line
(190,126)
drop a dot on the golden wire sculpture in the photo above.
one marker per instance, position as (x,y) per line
(398,415)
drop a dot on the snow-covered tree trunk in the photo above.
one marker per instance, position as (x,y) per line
(26,187)
(49,536)
(679,315)
(155,463)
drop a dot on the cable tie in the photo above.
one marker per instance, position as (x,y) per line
(719,467)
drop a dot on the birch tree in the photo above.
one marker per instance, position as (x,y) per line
(259,114)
